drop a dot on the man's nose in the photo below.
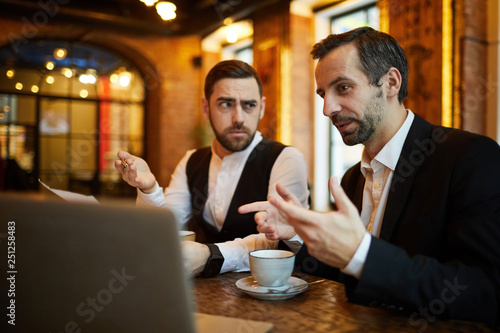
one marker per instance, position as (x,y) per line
(238,114)
(331,105)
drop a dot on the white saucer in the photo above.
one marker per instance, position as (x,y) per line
(251,287)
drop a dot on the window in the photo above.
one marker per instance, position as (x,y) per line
(331,156)
(66,108)
(342,156)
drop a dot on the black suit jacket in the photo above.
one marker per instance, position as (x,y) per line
(438,253)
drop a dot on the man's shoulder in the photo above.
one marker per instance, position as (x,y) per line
(447,139)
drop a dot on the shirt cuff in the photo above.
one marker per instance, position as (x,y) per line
(294,243)
(154,198)
(357,263)
(235,252)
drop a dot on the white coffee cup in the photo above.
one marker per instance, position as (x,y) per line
(271,268)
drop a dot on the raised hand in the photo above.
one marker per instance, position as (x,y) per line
(270,220)
(331,237)
(135,171)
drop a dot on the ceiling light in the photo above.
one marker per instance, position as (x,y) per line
(49,65)
(231,36)
(34,89)
(124,79)
(60,54)
(84,93)
(10,73)
(166,10)
(19,86)
(149,3)
(84,78)
(91,75)
(113,78)
(67,72)
(49,79)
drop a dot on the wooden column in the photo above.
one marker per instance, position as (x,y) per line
(417,26)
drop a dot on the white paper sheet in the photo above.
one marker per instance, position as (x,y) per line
(71,196)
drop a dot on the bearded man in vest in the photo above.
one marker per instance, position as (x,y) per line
(209,184)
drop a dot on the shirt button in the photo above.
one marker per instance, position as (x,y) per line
(377,186)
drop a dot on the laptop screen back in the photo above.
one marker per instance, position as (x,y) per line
(91,268)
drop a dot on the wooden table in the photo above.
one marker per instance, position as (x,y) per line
(321,308)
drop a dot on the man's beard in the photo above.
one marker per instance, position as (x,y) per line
(372,117)
(234,144)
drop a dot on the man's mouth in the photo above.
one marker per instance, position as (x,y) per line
(343,126)
(237,132)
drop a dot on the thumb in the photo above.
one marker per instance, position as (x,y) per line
(342,201)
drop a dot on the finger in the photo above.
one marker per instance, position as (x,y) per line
(253,207)
(119,165)
(286,194)
(292,211)
(266,229)
(123,155)
(342,201)
(261,217)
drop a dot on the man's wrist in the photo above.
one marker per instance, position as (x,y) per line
(214,262)
(151,189)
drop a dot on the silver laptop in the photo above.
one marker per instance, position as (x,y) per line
(93,268)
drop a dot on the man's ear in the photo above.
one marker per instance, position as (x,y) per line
(394,82)
(204,107)
(262,107)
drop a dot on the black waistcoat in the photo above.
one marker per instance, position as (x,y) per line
(252,186)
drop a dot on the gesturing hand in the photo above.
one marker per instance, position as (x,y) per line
(331,237)
(269,219)
(136,172)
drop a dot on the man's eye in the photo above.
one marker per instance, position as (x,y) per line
(250,105)
(343,87)
(225,104)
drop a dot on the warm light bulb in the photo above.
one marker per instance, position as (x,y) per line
(113,78)
(10,73)
(84,78)
(49,65)
(231,36)
(84,93)
(166,10)
(19,86)
(91,76)
(60,54)
(149,3)
(49,79)
(67,72)
(124,79)
(34,89)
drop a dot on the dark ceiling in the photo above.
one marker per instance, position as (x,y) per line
(200,17)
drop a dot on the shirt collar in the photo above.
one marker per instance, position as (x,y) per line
(389,155)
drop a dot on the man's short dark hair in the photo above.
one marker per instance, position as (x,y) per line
(229,69)
(378,52)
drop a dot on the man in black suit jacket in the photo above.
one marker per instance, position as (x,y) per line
(418,226)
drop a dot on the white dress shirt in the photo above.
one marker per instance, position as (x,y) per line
(289,169)
(378,174)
